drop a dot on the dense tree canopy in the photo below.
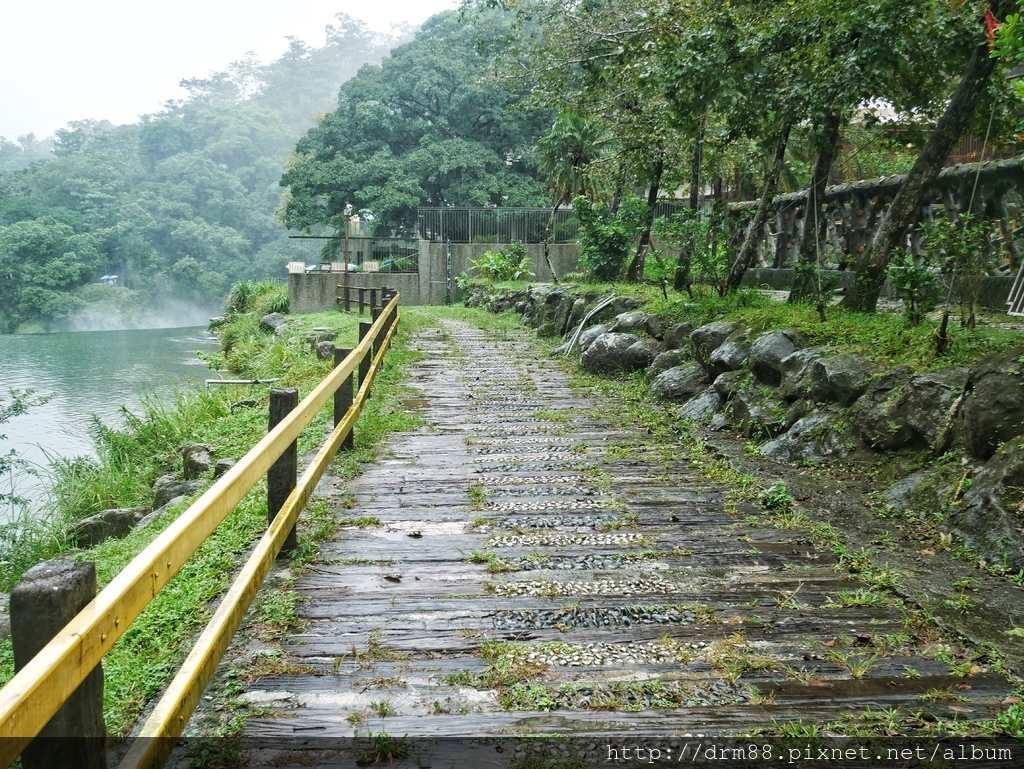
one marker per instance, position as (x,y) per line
(426,127)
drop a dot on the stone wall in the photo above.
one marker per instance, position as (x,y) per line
(994,292)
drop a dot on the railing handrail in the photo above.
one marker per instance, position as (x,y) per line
(38,690)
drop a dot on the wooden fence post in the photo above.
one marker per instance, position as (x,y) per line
(343,396)
(364,364)
(49,595)
(361,291)
(281,477)
(348,304)
(373,299)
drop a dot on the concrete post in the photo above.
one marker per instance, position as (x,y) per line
(49,595)
(343,396)
(281,478)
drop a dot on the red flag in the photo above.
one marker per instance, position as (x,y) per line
(993,24)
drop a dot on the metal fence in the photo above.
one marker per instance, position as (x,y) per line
(496,225)
(385,254)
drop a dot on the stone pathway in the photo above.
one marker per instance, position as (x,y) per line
(528,578)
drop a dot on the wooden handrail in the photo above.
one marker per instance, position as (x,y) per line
(38,690)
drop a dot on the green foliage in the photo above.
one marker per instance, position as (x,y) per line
(775,498)
(607,237)
(423,128)
(512,263)
(964,254)
(259,297)
(915,284)
(703,238)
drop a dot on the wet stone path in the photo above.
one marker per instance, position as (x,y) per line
(526,579)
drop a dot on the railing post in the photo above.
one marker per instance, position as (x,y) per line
(378,338)
(348,305)
(373,299)
(361,290)
(364,364)
(343,396)
(49,595)
(281,477)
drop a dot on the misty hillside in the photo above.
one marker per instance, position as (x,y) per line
(178,206)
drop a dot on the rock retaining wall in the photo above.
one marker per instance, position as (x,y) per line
(804,405)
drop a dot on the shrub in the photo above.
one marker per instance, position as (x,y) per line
(606,237)
(513,263)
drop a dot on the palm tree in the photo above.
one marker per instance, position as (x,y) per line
(566,153)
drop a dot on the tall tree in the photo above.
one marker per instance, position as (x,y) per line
(871,266)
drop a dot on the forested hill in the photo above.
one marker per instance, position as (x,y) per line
(178,206)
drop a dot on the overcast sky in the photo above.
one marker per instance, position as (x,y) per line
(63,60)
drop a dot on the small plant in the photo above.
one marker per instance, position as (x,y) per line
(477,496)
(381,748)
(775,498)
(912,281)
(513,263)
(857,666)
(382,708)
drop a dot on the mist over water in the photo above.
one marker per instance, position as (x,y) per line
(168,313)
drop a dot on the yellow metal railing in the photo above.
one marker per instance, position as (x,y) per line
(39,689)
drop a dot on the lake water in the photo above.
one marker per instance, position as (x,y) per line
(90,373)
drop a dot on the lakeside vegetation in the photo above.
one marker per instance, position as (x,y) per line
(230,420)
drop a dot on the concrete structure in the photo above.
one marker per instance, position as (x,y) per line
(318,291)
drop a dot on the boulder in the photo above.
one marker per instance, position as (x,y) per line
(769,350)
(576,315)
(106,525)
(701,407)
(680,383)
(318,335)
(678,336)
(730,383)
(222,466)
(589,335)
(757,414)
(906,493)
(872,417)
(990,517)
(926,400)
(718,422)
(561,313)
(730,355)
(993,406)
(168,487)
(638,356)
(325,350)
(796,374)
(607,354)
(666,360)
(840,379)
(655,327)
(196,460)
(708,338)
(815,438)
(272,322)
(628,322)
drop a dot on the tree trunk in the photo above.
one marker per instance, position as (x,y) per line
(805,282)
(681,279)
(749,248)
(872,264)
(547,236)
(635,273)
